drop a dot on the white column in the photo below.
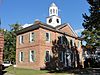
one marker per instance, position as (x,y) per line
(65,60)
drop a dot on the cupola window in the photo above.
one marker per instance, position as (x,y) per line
(50,20)
(57,20)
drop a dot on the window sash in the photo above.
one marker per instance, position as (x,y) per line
(31,36)
(21,56)
(32,56)
(47,36)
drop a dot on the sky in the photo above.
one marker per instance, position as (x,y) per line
(27,11)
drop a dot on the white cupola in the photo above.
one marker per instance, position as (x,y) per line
(53,10)
(53,18)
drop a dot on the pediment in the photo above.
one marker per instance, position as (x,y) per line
(66,28)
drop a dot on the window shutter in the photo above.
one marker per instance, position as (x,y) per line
(34,37)
(23,56)
(19,56)
(34,55)
(29,37)
(20,39)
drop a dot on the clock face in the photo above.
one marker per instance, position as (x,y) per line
(50,20)
(57,20)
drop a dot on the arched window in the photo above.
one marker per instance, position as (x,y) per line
(50,20)
(57,20)
(56,11)
(53,10)
(50,11)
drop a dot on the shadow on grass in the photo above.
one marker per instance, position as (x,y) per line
(3,70)
(78,71)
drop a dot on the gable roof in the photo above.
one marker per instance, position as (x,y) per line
(38,24)
(64,25)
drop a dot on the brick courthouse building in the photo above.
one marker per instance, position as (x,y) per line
(40,44)
(1,49)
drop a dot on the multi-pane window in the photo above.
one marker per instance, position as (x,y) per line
(47,56)
(31,36)
(61,56)
(21,39)
(21,56)
(32,56)
(47,36)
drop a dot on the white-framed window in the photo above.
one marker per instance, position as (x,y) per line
(47,56)
(60,39)
(79,43)
(47,35)
(21,39)
(73,42)
(61,56)
(32,56)
(31,36)
(21,56)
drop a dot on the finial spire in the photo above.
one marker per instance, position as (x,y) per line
(53,4)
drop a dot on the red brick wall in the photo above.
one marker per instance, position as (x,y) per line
(39,45)
(1,48)
(26,47)
(67,30)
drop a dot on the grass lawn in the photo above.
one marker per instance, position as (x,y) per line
(19,71)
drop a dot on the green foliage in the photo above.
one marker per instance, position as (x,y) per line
(10,42)
(60,45)
(92,24)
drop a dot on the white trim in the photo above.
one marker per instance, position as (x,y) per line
(79,44)
(73,41)
(72,29)
(20,39)
(20,56)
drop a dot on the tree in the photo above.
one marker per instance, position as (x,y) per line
(10,42)
(91,24)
